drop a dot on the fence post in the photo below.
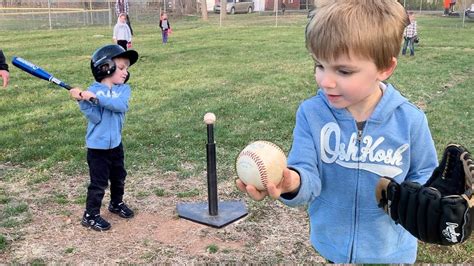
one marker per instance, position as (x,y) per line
(90,11)
(49,15)
(110,13)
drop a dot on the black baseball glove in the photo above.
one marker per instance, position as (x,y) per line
(416,39)
(442,210)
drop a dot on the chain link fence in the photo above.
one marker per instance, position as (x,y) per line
(52,14)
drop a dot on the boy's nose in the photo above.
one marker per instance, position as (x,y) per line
(326,81)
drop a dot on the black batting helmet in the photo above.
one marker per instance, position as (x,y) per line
(102,63)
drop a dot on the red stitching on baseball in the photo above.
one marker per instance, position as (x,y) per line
(274,145)
(260,165)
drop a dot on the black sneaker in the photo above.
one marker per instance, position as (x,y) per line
(121,209)
(95,222)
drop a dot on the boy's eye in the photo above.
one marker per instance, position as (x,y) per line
(345,72)
(318,66)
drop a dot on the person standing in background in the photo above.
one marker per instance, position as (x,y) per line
(451,6)
(122,33)
(447,6)
(409,35)
(4,74)
(121,7)
(165,27)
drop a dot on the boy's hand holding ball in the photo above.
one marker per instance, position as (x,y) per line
(261,168)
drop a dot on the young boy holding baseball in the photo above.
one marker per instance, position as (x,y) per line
(106,117)
(355,130)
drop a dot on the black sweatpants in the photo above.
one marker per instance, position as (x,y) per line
(105,165)
(123,43)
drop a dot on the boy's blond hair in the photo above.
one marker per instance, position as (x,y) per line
(370,29)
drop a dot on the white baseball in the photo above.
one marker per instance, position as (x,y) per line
(259,163)
(209,118)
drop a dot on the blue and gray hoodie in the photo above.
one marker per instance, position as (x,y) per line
(340,167)
(104,130)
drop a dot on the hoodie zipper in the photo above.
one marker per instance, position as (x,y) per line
(359,139)
(110,122)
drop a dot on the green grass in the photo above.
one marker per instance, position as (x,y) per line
(160,192)
(188,193)
(251,74)
(212,248)
(14,214)
(69,250)
(15,210)
(4,199)
(3,243)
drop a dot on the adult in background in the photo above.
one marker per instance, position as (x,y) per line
(121,7)
(4,74)
(409,35)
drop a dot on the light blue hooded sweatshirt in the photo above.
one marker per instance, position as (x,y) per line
(340,167)
(104,130)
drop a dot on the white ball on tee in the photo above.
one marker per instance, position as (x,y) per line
(209,118)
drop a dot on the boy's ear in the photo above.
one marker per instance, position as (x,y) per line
(386,73)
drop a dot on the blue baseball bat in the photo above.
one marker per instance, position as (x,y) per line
(38,72)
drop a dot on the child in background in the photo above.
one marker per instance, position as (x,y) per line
(451,5)
(410,34)
(355,130)
(165,27)
(447,6)
(105,154)
(122,34)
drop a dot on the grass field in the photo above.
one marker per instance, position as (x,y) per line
(251,74)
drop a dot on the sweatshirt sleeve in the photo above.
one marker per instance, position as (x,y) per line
(115,33)
(3,64)
(91,111)
(303,159)
(423,154)
(116,104)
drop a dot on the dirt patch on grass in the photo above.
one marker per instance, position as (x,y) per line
(270,233)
